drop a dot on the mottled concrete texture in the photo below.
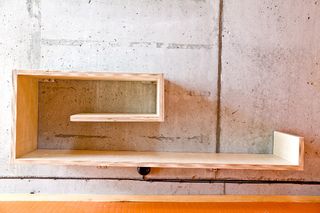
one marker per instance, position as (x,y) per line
(107,187)
(270,74)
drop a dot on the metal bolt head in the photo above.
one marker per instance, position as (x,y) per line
(143,170)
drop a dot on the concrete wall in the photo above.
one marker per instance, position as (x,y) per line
(268,79)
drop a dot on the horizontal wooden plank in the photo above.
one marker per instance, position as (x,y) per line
(90,75)
(100,207)
(158,159)
(97,207)
(115,117)
(161,198)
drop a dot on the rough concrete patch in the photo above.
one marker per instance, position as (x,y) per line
(133,44)
(272,189)
(198,138)
(188,46)
(34,53)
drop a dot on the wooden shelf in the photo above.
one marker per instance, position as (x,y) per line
(114,117)
(158,159)
(288,150)
(280,160)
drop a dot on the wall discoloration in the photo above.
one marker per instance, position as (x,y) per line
(135,44)
(34,11)
(93,97)
(81,136)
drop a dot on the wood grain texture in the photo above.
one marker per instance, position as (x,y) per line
(109,117)
(84,207)
(160,198)
(26,127)
(90,75)
(158,159)
(119,203)
(160,98)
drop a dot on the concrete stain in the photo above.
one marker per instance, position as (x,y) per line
(188,46)
(134,44)
(199,93)
(81,136)
(198,138)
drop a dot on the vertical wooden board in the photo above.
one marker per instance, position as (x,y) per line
(288,147)
(160,97)
(27,115)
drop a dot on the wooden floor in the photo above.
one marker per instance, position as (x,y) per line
(14,203)
(141,207)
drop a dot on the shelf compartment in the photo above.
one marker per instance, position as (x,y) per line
(152,115)
(157,116)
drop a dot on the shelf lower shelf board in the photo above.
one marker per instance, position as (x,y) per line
(115,117)
(158,159)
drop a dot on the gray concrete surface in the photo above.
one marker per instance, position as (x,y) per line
(269,80)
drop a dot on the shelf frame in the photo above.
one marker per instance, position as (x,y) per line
(288,150)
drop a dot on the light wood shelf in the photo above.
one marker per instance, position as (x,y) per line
(115,117)
(288,150)
(158,159)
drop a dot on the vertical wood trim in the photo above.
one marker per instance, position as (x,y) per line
(288,147)
(27,115)
(160,97)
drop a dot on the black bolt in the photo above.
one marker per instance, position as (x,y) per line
(143,170)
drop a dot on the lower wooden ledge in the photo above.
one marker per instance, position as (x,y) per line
(158,159)
(288,154)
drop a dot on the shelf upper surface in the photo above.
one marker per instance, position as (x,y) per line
(90,75)
(115,117)
(159,159)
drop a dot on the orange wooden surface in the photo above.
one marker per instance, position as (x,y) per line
(141,207)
